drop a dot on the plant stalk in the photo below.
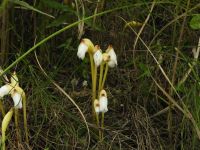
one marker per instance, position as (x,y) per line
(25,117)
(105,75)
(100,77)
(2,109)
(17,126)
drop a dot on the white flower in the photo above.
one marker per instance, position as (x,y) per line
(82,49)
(17,98)
(113,57)
(103,101)
(96,106)
(98,57)
(13,89)
(5,90)
(85,46)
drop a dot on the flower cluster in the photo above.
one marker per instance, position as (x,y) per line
(104,60)
(108,57)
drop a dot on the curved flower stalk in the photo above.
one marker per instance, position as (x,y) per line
(5,122)
(98,57)
(86,46)
(19,99)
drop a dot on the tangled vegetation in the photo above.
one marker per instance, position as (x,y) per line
(150,97)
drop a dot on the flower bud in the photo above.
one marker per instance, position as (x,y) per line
(82,49)
(96,106)
(106,57)
(97,55)
(113,58)
(103,101)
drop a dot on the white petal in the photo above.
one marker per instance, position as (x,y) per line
(103,102)
(82,49)
(113,58)
(5,90)
(111,64)
(98,57)
(96,106)
(17,98)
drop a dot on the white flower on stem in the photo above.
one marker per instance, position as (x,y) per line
(103,101)
(96,106)
(82,49)
(14,90)
(113,57)
(98,57)
(85,46)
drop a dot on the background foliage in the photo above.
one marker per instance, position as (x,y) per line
(139,116)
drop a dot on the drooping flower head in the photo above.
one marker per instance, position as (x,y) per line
(106,57)
(85,46)
(113,57)
(98,57)
(103,101)
(96,106)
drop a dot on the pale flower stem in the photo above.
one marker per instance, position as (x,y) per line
(95,81)
(105,75)
(92,75)
(17,125)
(2,109)
(25,117)
(100,77)
(97,118)
(102,125)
